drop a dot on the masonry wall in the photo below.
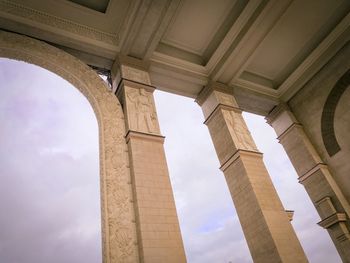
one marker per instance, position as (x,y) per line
(308,105)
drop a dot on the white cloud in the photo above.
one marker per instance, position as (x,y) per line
(49,177)
(210,227)
(49,181)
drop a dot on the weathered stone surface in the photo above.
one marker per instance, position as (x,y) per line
(158,228)
(118,225)
(265,223)
(327,196)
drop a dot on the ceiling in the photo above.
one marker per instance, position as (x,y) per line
(266,50)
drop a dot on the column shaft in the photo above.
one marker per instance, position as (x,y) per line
(265,223)
(314,174)
(159,233)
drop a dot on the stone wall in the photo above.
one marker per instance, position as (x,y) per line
(308,105)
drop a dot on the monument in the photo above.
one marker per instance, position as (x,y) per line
(286,60)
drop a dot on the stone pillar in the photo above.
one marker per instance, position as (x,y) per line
(159,235)
(314,174)
(265,223)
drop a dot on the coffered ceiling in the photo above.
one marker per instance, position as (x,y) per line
(265,50)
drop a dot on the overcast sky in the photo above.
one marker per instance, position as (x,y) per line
(49,177)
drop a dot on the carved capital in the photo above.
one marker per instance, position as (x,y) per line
(281,118)
(215,94)
(130,69)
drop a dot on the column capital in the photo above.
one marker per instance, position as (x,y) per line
(130,70)
(281,118)
(211,87)
(214,95)
(143,136)
(132,85)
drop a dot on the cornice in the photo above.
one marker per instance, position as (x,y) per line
(9,8)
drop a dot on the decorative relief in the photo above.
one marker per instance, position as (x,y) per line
(118,227)
(49,20)
(142,115)
(239,131)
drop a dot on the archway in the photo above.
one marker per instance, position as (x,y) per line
(118,225)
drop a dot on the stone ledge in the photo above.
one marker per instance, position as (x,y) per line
(142,135)
(333,219)
(236,155)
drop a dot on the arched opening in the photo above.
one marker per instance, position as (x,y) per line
(117,214)
(49,180)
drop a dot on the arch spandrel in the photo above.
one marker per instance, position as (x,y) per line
(118,225)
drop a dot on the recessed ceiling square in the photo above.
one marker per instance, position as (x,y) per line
(97,5)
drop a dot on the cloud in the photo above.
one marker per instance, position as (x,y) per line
(209,223)
(49,184)
(49,179)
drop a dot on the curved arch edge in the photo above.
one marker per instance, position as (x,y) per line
(327,120)
(118,219)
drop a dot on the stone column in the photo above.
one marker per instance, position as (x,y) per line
(159,235)
(314,174)
(265,223)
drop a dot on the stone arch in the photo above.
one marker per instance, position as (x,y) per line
(327,121)
(117,212)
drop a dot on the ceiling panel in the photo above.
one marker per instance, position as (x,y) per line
(195,24)
(298,32)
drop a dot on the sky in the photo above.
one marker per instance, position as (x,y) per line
(49,177)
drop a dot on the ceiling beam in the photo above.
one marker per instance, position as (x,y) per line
(249,38)
(150,21)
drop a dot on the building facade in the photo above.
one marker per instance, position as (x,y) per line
(286,60)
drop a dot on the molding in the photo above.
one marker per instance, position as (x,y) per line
(221,107)
(162,27)
(332,220)
(146,27)
(294,125)
(176,75)
(250,37)
(246,84)
(265,22)
(226,44)
(276,112)
(145,136)
(178,64)
(235,156)
(129,20)
(312,171)
(211,87)
(44,20)
(132,84)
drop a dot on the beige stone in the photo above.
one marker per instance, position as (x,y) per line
(261,50)
(119,240)
(315,175)
(265,223)
(159,236)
